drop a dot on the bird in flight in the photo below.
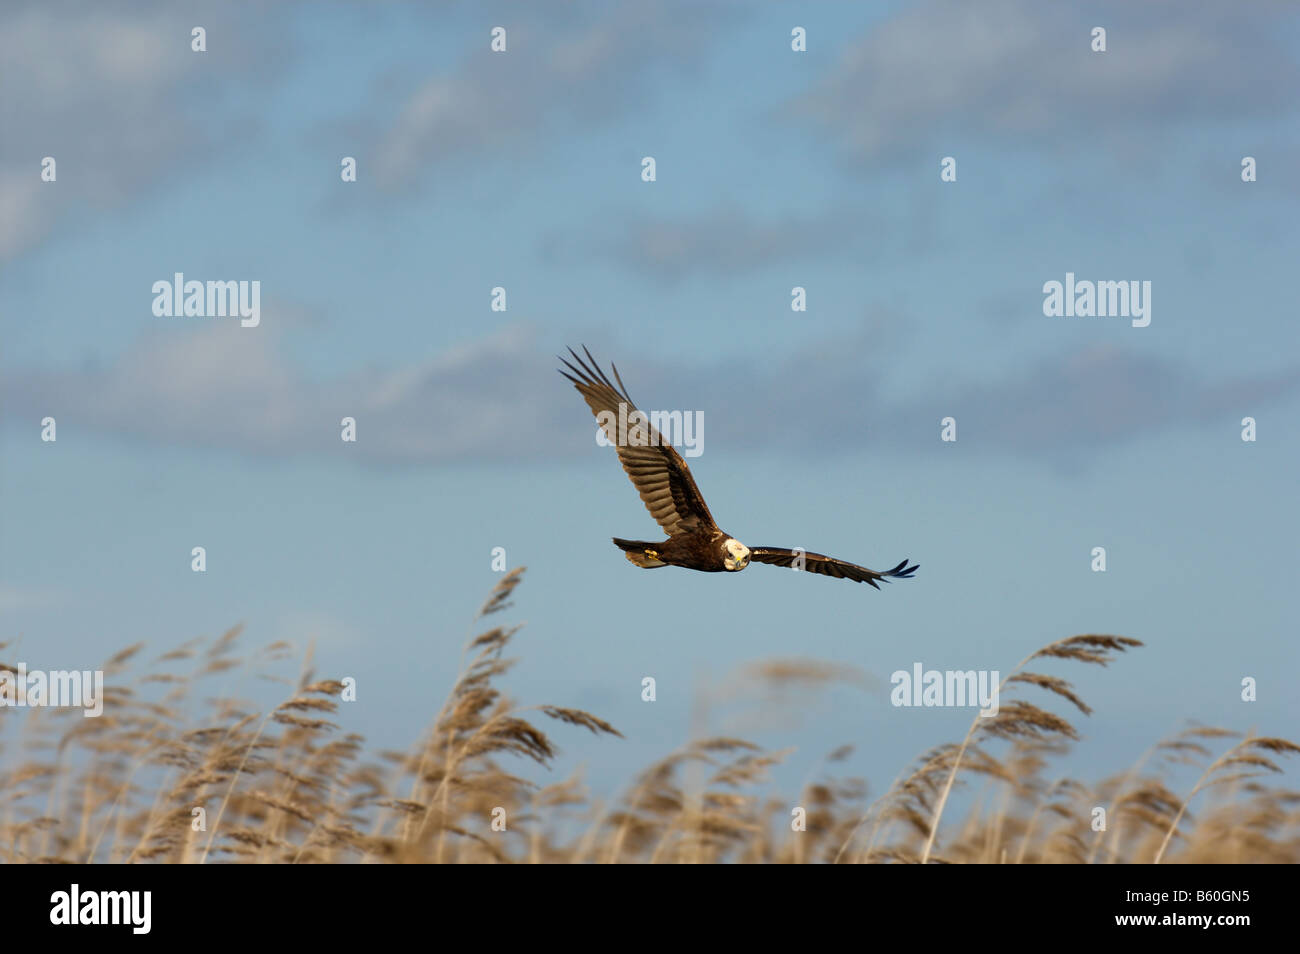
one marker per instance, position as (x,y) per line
(668,491)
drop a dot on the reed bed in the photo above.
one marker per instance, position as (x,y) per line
(145,782)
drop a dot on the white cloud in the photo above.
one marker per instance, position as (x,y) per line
(726,240)
(589,62)
(103,89)
(498,399)
(14,598)
(220,385)
(1023,70)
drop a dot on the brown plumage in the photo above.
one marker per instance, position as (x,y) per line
(668,491)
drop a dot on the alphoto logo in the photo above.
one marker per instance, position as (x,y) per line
(951,688)
(103,907)
(194,299)
(636,428)
(57,689)
(1106,299)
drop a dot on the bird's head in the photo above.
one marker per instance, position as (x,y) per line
(737,557)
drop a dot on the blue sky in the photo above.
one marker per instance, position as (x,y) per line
(774,169)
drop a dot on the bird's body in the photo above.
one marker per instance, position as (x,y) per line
(695,551)
(668,491)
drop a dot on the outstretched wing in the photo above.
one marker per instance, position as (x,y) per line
(658,472)
(829,566)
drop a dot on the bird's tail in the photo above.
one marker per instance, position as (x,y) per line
(902,571)
(641,552)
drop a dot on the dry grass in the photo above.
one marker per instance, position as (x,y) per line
(290,785)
